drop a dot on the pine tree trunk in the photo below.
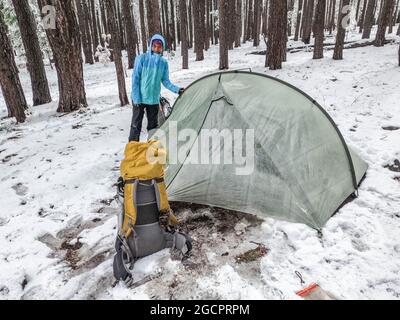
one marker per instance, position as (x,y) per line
(231,24)
(143,25)
(173,29)
(103,17)
(383,23)
(120,25)
(198,30)
(153,17)
(129,31)
(341,32)
(96,36)
(223,11)
(265,18)
(9,79)
(250,19)
(308,22)
(298,20)
(332,18)
(257,22)
(392,11)
(65,43)
(319,27)
(362,16)
(277,25)
(184,34)
(290,9)
(34,58)
(369,19)
(207,26)
(239,25)
(89,35)
(113,27)
(83,31)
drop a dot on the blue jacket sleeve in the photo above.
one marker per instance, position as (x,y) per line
(136,76)
(166,82)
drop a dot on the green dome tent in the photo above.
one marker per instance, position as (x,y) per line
(290,160)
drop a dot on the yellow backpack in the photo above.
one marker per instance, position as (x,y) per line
(144,161)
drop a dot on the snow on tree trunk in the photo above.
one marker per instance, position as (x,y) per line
(34,57)
(113,27)
(319,29)
(9,79)
(341,31)
(65,43)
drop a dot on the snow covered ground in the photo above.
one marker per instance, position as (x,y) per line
(58,220)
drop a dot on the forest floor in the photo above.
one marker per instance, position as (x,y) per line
(58,217)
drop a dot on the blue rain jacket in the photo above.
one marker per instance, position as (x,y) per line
(149,72)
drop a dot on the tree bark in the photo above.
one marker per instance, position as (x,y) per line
(238,23)
(257,22)
(143,26)
(298,20)
(277,25)
(184,34)
(369,19)
(96,36)
(34,57)
(319,29)
(198,30)
(83,32)
(308,22)
(341,33)
(129,31)
(153,17)
(65,43)
(362,16)
(9,79)
(113,27)
(223,11)
(173,29)
(383,23)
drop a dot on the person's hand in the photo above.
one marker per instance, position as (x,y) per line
(181,91)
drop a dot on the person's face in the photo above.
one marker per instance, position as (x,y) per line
(157,47)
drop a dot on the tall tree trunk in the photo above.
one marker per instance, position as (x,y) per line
(184,34)
(34,58)
(277,25)
(103,17)
(129,31)
(113,27)
(190,22)
(369,19)
(239,25)
(96,36)
(291,10)
(257,22)
(86,14)
(231,24)
(83,31)
(332,18)
(9,79)
(223,12)
(121,28)
(319,29)
(341,32)
(250,20)
(392,12)
(198,30)
(173,29)
(143,25)
(207,25)
(383,23)
(65,43)
(153,17)
(362,16)
(298,20)
(308,22)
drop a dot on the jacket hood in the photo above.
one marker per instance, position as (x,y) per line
(157,37)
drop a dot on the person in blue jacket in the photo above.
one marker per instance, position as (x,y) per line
(150,70)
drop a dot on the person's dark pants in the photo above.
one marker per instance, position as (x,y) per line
(137,118)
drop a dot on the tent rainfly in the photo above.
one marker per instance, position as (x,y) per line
(292,162)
